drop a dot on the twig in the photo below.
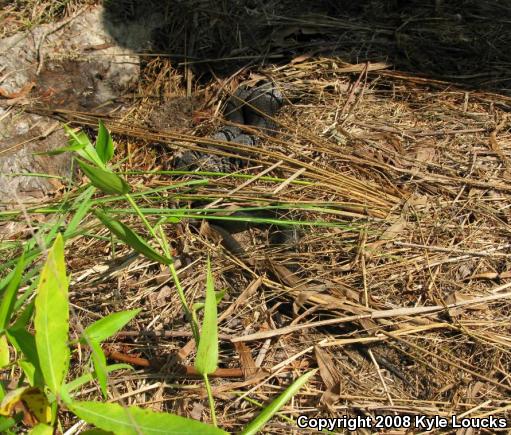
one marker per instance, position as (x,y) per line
(384,314)
(490,252)
(382,380)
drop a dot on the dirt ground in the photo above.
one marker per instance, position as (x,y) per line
(393,150)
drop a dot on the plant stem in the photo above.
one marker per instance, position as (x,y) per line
(162,241)
(210,400)
(166,249)
(181,294)
(141,215)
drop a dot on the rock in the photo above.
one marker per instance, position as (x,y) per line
(17,158)
(71,65)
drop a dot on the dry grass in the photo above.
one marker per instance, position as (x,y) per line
(405,309)
(464,42)
(23,15)
(418,174)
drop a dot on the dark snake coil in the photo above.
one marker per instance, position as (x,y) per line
(253,107)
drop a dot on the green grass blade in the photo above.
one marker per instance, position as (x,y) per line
(5,281)
(32,376)
(197,306)
(51,319)
(206,361)
(135,421)
(219,174)
(24,343)
(84,147)
(104,144)
(109,325)
(99,361)
(24,318)
(34,174)
(9,296)
(131,238)
(257,424)
(4,352)
(57,151)
(147,192)
(76,139)
(84,203)
(88,377)
(106,181)
(208,215)
(6,423)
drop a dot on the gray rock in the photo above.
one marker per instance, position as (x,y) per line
(76,67)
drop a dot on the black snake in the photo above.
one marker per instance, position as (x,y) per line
(253,107)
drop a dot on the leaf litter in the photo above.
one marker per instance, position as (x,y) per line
(403,303)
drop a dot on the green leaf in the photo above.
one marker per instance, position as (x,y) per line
(52,318)
(173,220)
(30,372)
(5,281)
(134,421)
(99,361)
(84,204)
(80,143)
(24,318)
(131,238)
(106,181)
(9,296)
(97,432)
(257,424)
(87,377)
(24,342)
(62,150)
(41,429)
(206,361)
(4,351)
(79,139)
(104,144)
(6,423)
(104,328)
(197,306)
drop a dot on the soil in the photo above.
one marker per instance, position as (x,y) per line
(175,114)
(75,85)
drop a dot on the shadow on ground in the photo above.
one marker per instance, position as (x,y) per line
(461,41)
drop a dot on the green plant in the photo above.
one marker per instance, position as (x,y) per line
(44,357)
(206,361)
(46,369)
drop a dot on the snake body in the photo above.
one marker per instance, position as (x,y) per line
(254,107)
